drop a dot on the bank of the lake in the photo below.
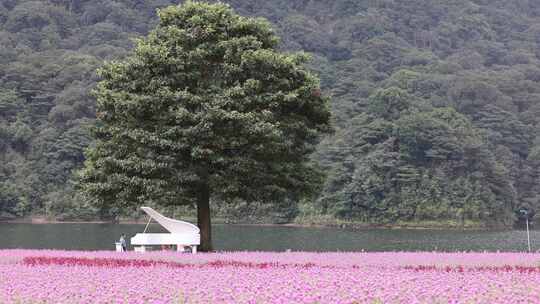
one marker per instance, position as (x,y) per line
(311,221)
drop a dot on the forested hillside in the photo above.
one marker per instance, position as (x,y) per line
(436,104)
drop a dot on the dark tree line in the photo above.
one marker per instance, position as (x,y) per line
(436,104)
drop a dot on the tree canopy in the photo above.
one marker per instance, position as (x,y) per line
(206,107)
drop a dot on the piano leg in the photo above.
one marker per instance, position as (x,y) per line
(194,249)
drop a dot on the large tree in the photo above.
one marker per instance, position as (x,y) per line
(205,108)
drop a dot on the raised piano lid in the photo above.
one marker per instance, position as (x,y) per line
(172,225)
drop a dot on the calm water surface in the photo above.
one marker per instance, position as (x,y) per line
(270,238)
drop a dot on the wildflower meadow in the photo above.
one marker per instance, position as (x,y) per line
(48,276)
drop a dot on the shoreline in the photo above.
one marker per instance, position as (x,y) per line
(220,221)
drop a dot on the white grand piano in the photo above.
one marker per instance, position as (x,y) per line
(182,234)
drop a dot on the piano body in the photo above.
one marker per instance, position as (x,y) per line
(182,234)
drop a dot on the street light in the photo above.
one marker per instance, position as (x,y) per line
(525,213)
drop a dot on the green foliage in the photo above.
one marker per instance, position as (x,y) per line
(479,58)
(205,101)
(409,162)
(49,51)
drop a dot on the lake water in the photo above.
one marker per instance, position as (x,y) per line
(272,238)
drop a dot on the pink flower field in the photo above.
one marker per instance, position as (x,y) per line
(43,276)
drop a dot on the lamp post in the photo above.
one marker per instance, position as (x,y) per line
(525,213)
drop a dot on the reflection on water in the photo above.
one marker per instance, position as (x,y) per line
(270,238)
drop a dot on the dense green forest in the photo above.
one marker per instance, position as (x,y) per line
(436,104)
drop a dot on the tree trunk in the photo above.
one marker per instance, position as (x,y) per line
(203,218)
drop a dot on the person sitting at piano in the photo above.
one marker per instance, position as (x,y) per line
(123,242)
